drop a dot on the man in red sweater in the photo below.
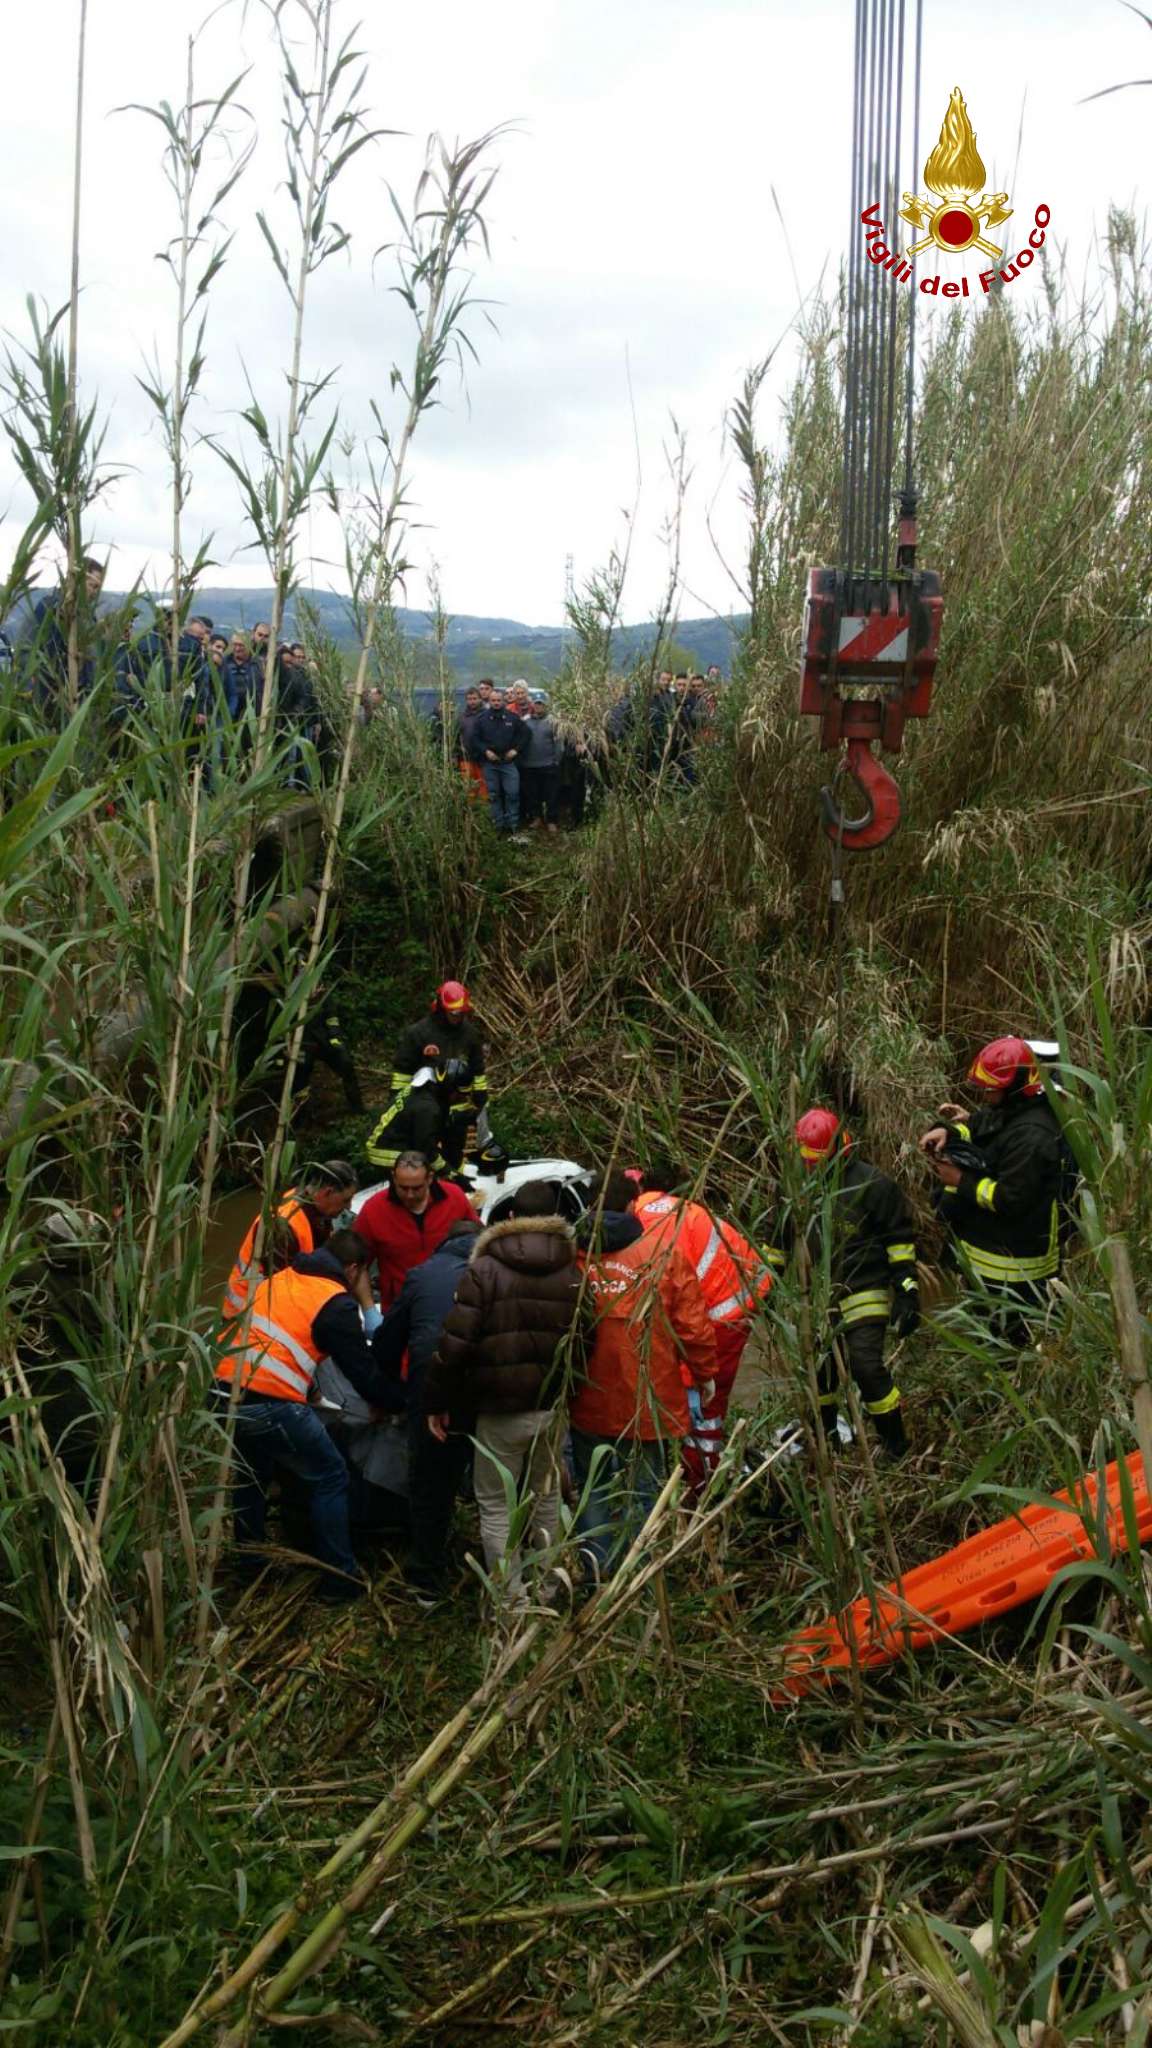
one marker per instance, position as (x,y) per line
(409,1220)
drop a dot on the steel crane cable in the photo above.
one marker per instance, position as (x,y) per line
(873,400)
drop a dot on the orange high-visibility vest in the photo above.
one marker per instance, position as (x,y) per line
(732,1275)
(281,1355)
(245,1273)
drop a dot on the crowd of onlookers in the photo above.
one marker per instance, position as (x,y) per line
(537,770)
(532,767)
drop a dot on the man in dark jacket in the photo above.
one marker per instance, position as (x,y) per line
(307,1309)
(1001,1172)
(872,1261)
(499,737)
(506,1353)
(243,677)
(436,1464)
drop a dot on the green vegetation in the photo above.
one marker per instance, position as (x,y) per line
(611,1829)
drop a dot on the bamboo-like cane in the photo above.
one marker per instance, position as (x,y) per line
(1133,1357)
(472,1991)
(594,1622)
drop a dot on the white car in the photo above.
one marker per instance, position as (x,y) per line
(492,1193)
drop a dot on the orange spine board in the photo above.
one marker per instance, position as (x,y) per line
(996,1570)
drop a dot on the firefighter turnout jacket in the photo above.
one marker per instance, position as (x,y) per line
(733,1276)
(873,1252)
(1004,1217)
(430,1042)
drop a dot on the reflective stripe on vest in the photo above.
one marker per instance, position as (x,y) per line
(240,1279)
(282,1313)
(731,1309)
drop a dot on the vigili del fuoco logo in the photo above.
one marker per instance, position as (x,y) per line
(955,214)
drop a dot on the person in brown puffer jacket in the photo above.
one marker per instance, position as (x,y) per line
(509,1345)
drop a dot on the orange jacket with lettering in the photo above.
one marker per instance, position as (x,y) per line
(652,1332)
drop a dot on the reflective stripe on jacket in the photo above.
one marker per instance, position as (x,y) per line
(245,1273)
(1005,1218)
(281,1354)
(732,1275)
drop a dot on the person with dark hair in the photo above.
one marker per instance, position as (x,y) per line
(436,1464)
(42,653)
(466,751)
(506,1355)
(321,1194)
(408,1220)
(303,1312)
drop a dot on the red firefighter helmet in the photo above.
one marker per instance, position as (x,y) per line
(452,997)
(1007,1067)
(816,1134)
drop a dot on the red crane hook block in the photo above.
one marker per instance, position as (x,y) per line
(884,639)
(881,802)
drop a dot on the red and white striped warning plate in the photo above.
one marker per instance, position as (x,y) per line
(874,636)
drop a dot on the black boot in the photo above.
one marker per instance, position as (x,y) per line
(891,1432)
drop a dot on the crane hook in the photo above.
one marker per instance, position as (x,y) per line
(881,802)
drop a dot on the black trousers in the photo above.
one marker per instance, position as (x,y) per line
(863,1348)
(1010,1313)
(538,794)
(436,1473)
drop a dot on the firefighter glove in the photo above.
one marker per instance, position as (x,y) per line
(906,1307)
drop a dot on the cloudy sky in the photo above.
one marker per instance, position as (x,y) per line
(639,262)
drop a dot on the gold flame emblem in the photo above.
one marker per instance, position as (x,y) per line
(955,174)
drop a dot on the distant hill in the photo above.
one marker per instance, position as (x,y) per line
(503,648)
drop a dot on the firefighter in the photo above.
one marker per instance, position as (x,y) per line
(873,1268)
(323,1043)
(1001,1172)
(733,1279)
(438,1086)
(321,1194)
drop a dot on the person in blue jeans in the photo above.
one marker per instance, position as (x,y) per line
(498,738)
(310,1307)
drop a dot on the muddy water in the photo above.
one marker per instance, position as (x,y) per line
(224,1235)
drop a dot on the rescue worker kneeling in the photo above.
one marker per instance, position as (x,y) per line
(873,1268)
(307,1309)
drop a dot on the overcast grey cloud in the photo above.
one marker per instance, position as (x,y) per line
(638,260)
